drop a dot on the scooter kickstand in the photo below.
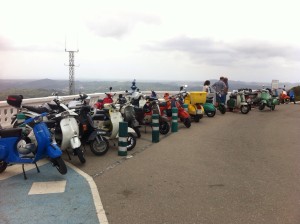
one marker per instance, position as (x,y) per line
(37,168)
(25,177)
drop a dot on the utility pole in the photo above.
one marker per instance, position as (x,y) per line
(71,70)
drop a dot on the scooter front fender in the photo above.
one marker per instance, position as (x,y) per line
(75,142)
(53,151)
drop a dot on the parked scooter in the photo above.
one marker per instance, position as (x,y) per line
(15,150)
(194,100)
(145,106)
(128,113)
(175,101)
(237,101)
(210,108)
(266,99)
(66,130)
(89,133)
(108,99)
(110,119)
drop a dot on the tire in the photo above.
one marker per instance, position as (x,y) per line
(261,106)
(60,165)
(101,148)
(137,131)
(164,127)
(273,107)
(131,141)
(211,113)
(245,109)
(80,155)
(197,118)
(3,166)
(187,122)
(222,109)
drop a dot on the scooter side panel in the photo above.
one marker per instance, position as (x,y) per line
(7,151)
(53,151)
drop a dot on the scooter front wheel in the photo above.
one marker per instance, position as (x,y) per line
(210,113)
(222,108)
(245,109)
(80,155)
(99,147)
(131,141)
(187,122)
(60,165)
(3,166)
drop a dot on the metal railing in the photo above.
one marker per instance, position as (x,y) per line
(7,111)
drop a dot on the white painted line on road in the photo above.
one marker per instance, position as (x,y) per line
(49,187)
(97,200)
(17,169)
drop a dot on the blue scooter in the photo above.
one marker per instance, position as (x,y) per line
(15,149)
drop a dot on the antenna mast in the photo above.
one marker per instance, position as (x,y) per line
(71,69)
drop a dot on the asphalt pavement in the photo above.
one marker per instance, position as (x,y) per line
(232,168)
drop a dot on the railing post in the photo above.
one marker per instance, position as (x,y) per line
(155,128)
(174,127)
(122,143)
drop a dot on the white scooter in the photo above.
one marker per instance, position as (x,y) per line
(110,124)
(66,131)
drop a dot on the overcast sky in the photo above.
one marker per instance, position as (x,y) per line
(246,40)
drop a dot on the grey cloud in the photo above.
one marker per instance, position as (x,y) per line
(119,25)
(208,51)
(7,45)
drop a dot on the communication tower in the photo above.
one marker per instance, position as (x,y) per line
(71,69)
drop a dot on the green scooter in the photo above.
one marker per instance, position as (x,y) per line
(210,109)
(267,100)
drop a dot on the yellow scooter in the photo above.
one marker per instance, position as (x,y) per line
(194,100)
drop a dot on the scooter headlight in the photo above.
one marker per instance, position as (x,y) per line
(65,114)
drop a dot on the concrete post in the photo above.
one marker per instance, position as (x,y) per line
(122,144)
(155,128)
(174,127)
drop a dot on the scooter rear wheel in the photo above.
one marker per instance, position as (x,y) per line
(99,148)
(60,165)
(3,166)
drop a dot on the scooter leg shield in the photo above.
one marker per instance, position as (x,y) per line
(53,151)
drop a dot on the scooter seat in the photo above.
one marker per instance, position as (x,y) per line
(10,132)
(35,109)
(50,123)
(209,98)
(99,117)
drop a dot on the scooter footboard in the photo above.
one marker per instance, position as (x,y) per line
(53,151)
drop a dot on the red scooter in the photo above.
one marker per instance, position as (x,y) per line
(175,101)
(108,99)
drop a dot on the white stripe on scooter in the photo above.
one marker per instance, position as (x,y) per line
(95,193)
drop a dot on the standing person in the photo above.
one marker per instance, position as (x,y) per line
(206,87)
(219,87)
(224,95)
